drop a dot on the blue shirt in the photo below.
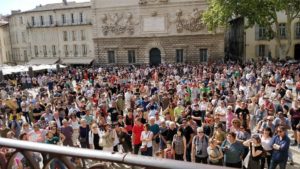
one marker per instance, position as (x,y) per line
(154,128)
(233,152)
(282,153)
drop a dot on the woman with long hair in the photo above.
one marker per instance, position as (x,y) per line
(179,145)
(266,139)
(74,122)
(256,152)
(146,138)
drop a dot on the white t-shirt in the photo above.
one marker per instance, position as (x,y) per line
(145,135)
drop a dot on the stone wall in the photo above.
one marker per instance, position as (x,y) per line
(167,45)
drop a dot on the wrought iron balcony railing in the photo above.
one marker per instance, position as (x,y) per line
(67,157)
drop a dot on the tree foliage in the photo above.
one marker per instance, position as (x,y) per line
(261,12)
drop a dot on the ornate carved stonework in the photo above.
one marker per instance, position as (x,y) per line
(145,2)
(117,23)
(191,22)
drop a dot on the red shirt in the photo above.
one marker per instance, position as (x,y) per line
(137,131)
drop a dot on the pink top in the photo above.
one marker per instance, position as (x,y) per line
(229,117)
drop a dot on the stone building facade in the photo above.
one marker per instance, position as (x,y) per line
(46,34)
(5,44)
(153,31)
(114,32)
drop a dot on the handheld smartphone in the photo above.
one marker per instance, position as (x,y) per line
(17,161)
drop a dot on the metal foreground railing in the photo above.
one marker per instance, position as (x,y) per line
(66,156)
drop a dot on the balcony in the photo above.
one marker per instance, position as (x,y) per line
(69,157)
(59,24)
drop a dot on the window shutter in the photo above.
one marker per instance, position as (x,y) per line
(266,51)
(256,32)
(257,50)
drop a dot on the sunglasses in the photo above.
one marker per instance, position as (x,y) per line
(279,131)
(201,132)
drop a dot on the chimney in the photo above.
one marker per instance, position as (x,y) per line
(65,2)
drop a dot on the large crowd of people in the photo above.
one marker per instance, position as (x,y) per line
(219,114)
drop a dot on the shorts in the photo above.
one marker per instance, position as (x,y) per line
(295,122)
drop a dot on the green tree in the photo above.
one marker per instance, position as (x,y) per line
(261,12)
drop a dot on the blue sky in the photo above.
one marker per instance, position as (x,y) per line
(7,5)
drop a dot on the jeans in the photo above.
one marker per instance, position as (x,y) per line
(234,165)
(263,161)
(282,164)
(148,152)
(27,118)
(201,160)
(179,157)
(188,153)
(136,148)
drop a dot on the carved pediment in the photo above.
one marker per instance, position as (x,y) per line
(117,23)
(147,2)
(191,22)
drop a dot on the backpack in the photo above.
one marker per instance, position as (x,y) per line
(198,149)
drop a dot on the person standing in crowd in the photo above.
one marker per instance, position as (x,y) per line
(67,131)
(215,154)
(108,138)
(295,120)
(154,128)
(84,134)
(136,135)
(266,139)
(179,145)
(280,144)
(233,151)
(199,147)
(146,139)
(94,137)
(74,122)
(255,152)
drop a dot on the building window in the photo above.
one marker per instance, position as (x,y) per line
(32,21)
(42,20)
(23,37)
(203,55)
(65,34)
(45,50)
(50,19)
(74,35)
(63,18)
(75,50)
(82,35)
(66,50)
(282,30)
(179,55)
(261,50)
(131,56)
(54,50)
(17,38)
(25,55)
(21,20)
(81,17)
(111,56)
(262,34)
(84,50)
(36,51)
(298,30)
(72,17)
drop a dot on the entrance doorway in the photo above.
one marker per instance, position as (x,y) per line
(155,57)
(297,52)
